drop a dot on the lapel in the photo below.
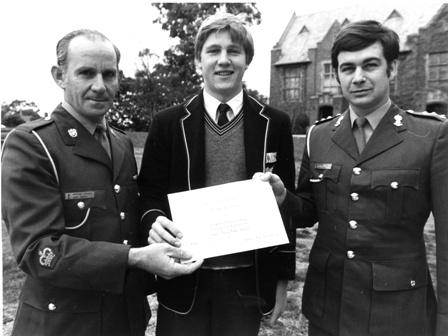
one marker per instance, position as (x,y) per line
(118,150)
(192,124)
(385,136)
(256,130)
(76,135)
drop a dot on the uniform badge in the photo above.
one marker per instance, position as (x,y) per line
(73,132)
(47,258)
(398,119)
(271,159)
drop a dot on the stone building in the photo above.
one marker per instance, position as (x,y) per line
(303,81)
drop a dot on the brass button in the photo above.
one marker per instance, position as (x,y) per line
(122,215)
(117,188)
(394,185)
(354,196)
(357,171)
(81,205)
(350,254)
(51,306)
(412,283)
(353,224)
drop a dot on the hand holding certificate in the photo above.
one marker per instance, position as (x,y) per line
(228,218)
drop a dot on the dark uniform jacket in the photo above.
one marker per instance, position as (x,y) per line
(174,161)
(71,215)
(368,272)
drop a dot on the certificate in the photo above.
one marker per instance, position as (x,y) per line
(228,218)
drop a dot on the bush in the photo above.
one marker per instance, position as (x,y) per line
(300,123)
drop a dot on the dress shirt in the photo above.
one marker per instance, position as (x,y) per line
(211,105)
(373,118)
(89,125)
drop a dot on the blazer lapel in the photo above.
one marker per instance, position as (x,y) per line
(256,130)
(192,124)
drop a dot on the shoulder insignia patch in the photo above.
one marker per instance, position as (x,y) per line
(32,125)
(433,115)
(323,120)
(47,258)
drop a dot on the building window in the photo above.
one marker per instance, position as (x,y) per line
(292,84)
(437,69)
(330,84)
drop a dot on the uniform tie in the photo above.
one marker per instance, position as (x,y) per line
(101,136)
(222,117)
(359,133)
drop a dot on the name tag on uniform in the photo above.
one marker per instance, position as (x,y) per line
(79,195)
(326,166)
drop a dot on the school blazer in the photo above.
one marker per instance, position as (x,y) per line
(174,161)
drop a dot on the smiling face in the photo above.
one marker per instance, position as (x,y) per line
(223,64)
(90,79)
(364,76)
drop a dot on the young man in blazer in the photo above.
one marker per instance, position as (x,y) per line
(192,146)
(69,202)
(372,188)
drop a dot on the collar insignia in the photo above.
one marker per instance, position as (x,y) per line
(398,119)
(73,132)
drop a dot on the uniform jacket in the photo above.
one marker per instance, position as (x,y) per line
(368,272)
(72,216)
(174,161)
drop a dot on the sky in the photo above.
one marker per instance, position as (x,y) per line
(30,29)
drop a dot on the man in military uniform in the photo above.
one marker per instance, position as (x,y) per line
(70,205)
(371,177)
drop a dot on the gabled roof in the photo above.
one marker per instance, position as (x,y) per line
(304,32)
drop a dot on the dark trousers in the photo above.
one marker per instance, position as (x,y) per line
(225,305)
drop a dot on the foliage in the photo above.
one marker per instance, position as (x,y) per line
(18,112)
(174,80)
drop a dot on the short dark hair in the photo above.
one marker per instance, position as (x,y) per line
(362,34)
(225,22)
(63,44)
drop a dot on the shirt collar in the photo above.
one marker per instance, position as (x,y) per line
(211,104)
(89,125)
(374,117)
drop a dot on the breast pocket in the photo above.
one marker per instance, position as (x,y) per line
(78,205)
(324,178)
(394,189)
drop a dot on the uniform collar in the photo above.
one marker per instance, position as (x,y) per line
(374,117)
(89,125)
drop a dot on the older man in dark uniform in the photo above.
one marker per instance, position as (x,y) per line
(371,177)
(70,205)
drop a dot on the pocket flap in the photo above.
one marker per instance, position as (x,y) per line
(399,274)
(402,178)
(321,171)
(319,256)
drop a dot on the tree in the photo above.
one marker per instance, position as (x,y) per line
(174,80)
(18,112)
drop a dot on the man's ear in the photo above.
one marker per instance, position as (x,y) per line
(58,76)
(392,71)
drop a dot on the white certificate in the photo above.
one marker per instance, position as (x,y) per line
(228,218)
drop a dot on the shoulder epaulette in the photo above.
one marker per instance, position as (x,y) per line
(433,115)
(324,120)
(35,124)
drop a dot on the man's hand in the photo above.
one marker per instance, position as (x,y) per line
(162,260)
(276,183)
(164,231)
(281,298)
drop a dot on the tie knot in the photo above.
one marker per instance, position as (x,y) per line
(223,108)
(361,121)
(100,128)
